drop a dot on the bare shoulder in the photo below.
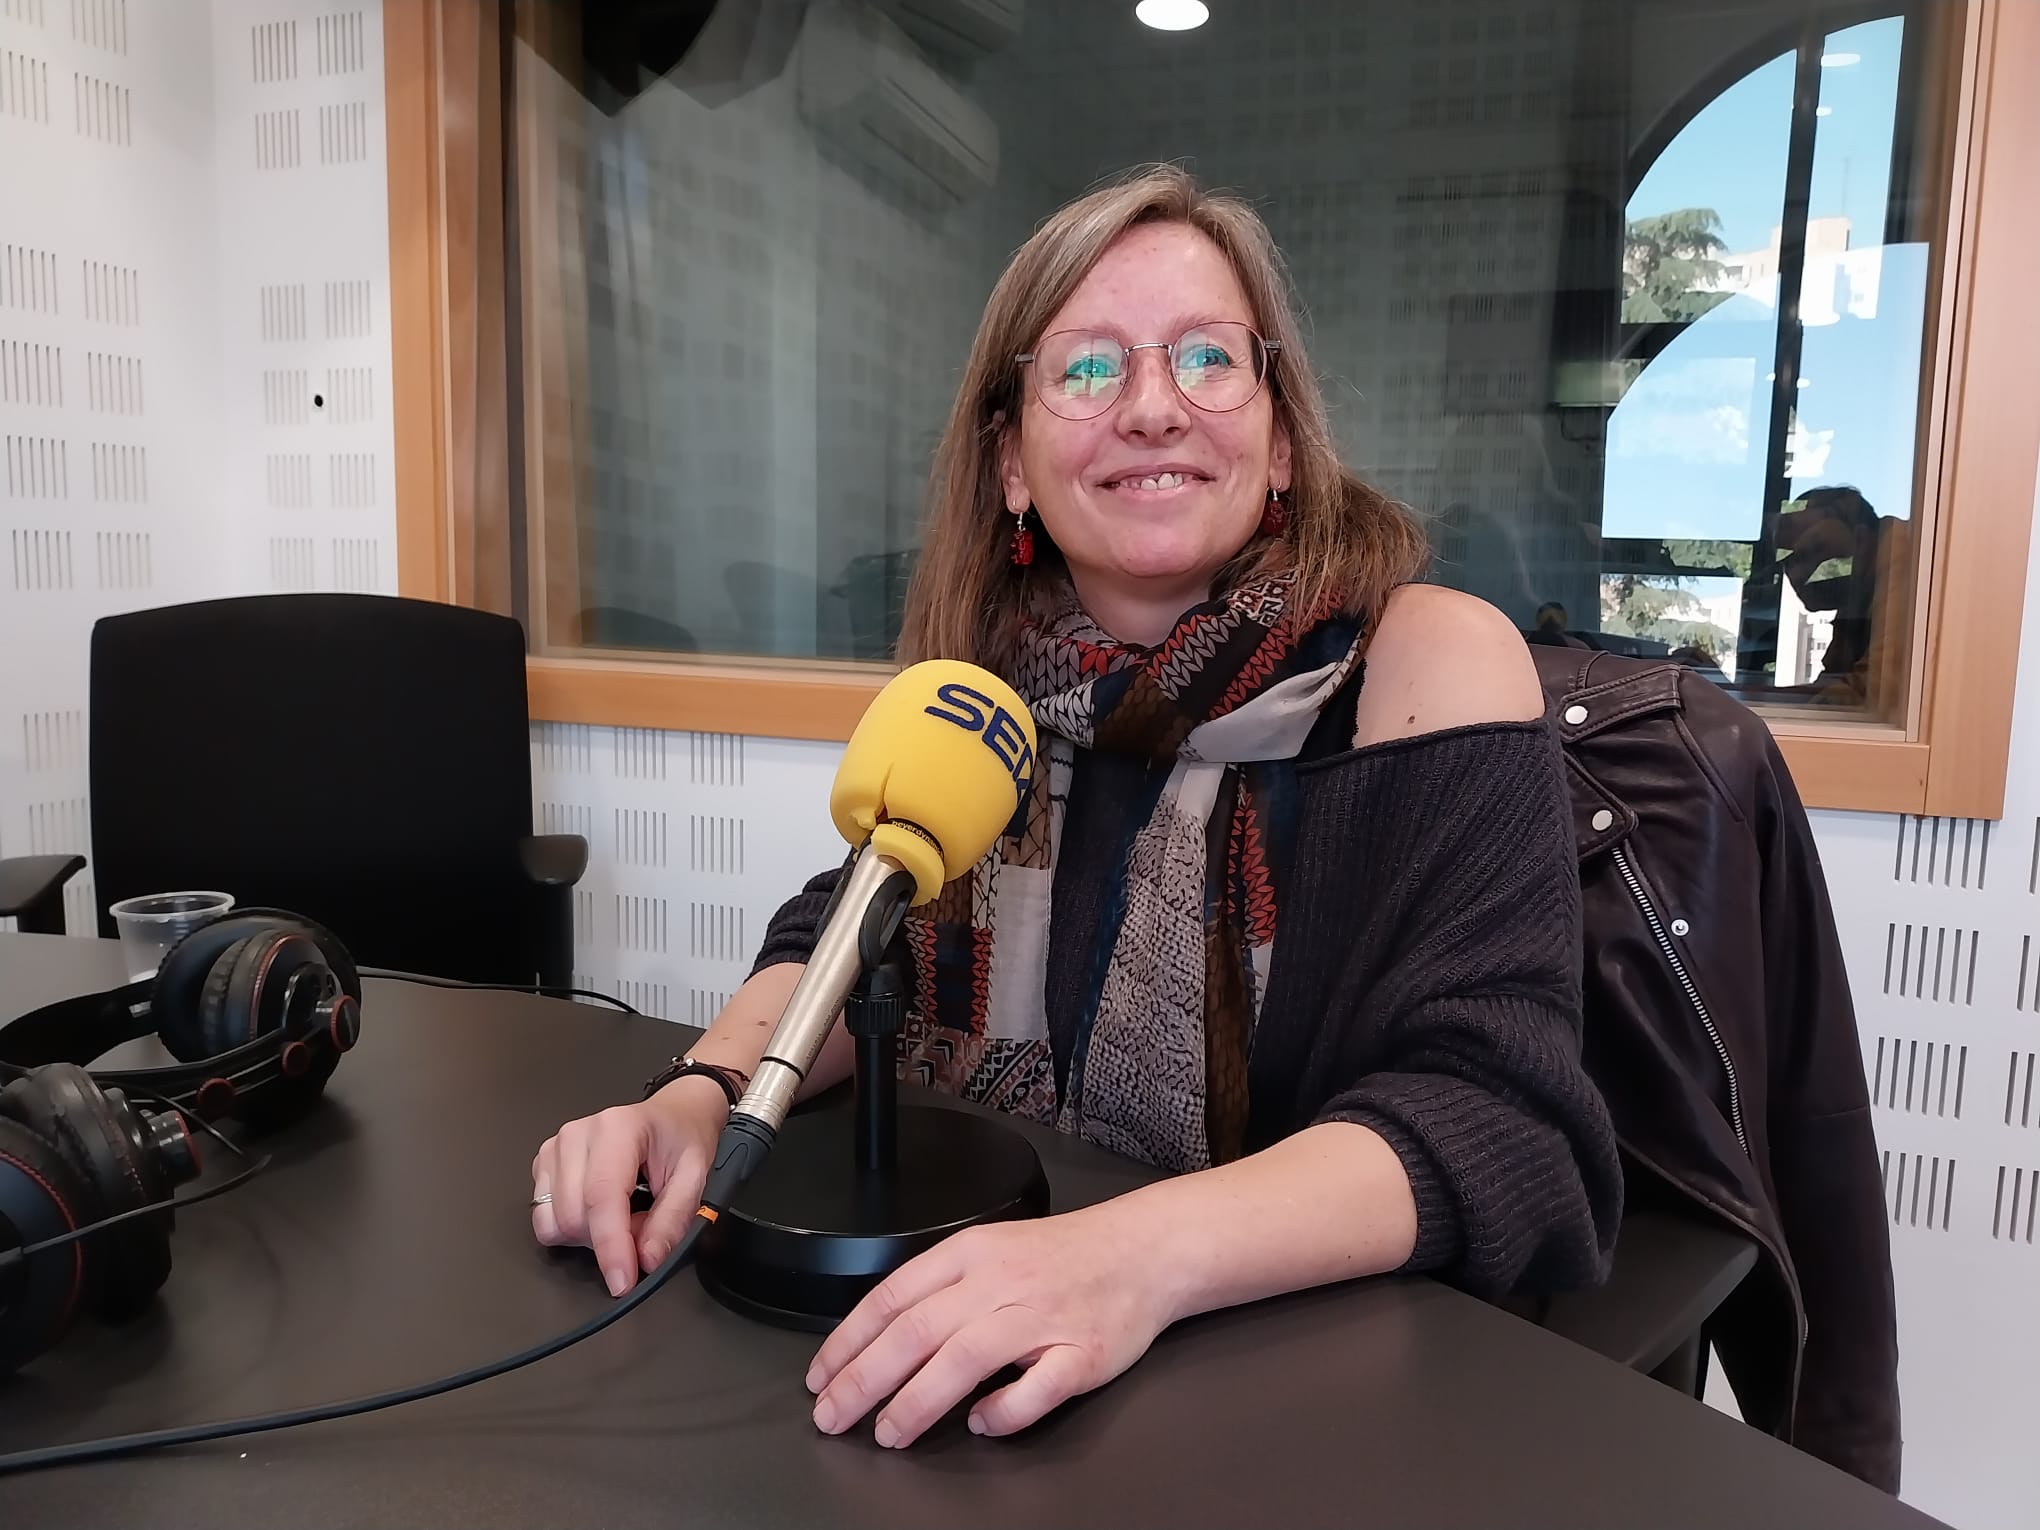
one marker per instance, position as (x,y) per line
(1442,659)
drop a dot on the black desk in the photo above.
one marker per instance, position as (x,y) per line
(391,1242)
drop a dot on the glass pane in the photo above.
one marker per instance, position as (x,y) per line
(1630,299)
(1846,554)
(1686,442)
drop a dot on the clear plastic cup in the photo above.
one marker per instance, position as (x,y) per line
(150,925)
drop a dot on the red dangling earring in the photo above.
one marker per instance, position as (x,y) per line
(1274,515)
(1023,540)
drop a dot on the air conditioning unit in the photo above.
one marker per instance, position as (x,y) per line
(963,29)
(870,95)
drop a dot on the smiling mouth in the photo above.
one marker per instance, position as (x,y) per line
(1153,483)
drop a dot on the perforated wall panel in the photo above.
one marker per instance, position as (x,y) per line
(194,344)
(694,840)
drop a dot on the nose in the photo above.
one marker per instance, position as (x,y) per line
(1152,410)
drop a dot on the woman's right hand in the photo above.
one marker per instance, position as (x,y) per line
(590,1168)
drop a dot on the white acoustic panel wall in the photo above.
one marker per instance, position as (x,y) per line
(695,839)
(304,263)
(1940,922)
(109,368)
(194,341)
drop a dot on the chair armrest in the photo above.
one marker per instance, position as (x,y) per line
(31,889)
(553,860)
(1670,1275)
(553,863)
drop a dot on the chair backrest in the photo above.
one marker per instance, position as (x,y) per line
(360,759)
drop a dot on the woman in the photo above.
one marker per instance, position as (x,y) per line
(1311,942)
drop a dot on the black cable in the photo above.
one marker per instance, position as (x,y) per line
(175,1203)
(188,1117)
(17,1255)
(537,988)
(194,1434)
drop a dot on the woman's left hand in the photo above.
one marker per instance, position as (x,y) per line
(1074,1299)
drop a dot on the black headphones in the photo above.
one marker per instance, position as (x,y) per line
(256,1007)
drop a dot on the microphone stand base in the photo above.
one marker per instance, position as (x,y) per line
(812,1233)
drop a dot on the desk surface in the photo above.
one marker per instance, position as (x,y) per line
(390,1242)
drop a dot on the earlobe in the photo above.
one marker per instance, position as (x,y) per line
(1278,460)
(1012,478)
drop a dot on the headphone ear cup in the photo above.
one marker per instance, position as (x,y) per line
(256,985)
(38,1199)
(197,1030)
(259,990)
(125,1265)
(176,997)
(177,1000)
(255,921)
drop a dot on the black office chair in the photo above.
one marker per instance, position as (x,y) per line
(1672,1273)
(360,759)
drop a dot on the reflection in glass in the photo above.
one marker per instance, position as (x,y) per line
(1767,441)
(1686,444)
(1629,298)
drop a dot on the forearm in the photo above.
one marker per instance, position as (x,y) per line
(1330,1203)
(740,1033)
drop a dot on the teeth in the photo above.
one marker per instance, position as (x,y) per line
(1154,481)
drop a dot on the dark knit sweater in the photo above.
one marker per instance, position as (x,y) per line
(1424,982)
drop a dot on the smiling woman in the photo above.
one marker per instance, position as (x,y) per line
(1248,728)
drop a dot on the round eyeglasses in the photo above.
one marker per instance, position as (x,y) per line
(1218,367)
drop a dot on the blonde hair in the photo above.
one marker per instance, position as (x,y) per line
(1347,544)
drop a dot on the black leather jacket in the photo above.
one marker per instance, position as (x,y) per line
(1720,1029)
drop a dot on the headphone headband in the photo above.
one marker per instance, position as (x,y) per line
(89,1025)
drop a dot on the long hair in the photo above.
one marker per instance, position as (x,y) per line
(1347,544)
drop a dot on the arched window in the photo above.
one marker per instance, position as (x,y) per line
(1760,461)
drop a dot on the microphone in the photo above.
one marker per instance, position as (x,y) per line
(938,765)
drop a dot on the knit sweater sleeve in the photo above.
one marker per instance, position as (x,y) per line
(791,935)
(1442,871)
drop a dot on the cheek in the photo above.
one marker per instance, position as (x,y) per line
(1248,444)
(1056,458)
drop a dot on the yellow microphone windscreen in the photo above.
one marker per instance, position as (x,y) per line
(939,763)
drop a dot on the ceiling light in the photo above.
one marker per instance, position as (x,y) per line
(1839,60)
(1172,15)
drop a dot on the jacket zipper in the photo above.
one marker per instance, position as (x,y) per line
(1692,993)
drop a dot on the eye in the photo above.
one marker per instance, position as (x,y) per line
(1091,369)
(1202,357)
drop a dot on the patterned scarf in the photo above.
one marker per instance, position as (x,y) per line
(1178,968)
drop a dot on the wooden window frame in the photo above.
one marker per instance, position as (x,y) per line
(1979,456)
